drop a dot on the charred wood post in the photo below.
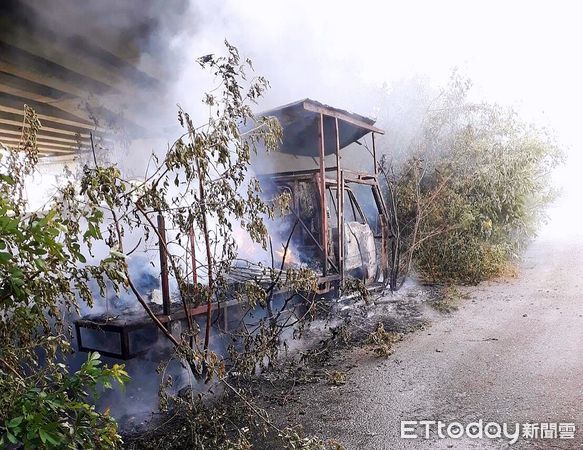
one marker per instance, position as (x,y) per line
(385,248)
(209,256)
(388,237)
(193,257)
(194,292)
(166,303)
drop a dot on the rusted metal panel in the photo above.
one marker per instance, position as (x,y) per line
(124,325)
(354,119)
(360,258)
(351,175)
(301,126)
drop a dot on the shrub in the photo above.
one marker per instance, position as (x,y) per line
(472,190)
(42,271)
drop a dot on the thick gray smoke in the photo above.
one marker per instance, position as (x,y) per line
(136,42)
(305,50)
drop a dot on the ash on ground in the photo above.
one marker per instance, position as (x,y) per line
(323,356)
(330,349)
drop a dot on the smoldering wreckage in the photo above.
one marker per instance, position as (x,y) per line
(337,224)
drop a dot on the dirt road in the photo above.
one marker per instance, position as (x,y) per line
(513,352)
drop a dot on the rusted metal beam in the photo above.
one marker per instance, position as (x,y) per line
(341,229)
(14,119)
(356,180)
(306,173)
(339,196)
(44,114)
(327,279)
(44,142)
(47,73)
(374,155)
(349,177)
(379,200)
(322,185)
(384,247)
(387,235)
(10,131)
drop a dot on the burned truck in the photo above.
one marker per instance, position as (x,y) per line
(343,220)
(337,222)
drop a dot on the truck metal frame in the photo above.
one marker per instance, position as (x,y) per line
(309,129)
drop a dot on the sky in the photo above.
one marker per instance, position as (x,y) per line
(521,52)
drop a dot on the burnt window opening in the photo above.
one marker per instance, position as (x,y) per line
(352,211)
(332,211)
(365,199)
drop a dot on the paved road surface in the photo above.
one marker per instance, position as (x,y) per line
(512,353)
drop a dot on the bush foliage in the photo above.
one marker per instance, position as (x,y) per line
(473,188)
(42,273)
(200,186)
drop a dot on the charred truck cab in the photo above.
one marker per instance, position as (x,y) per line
(337,223)
(337,211)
